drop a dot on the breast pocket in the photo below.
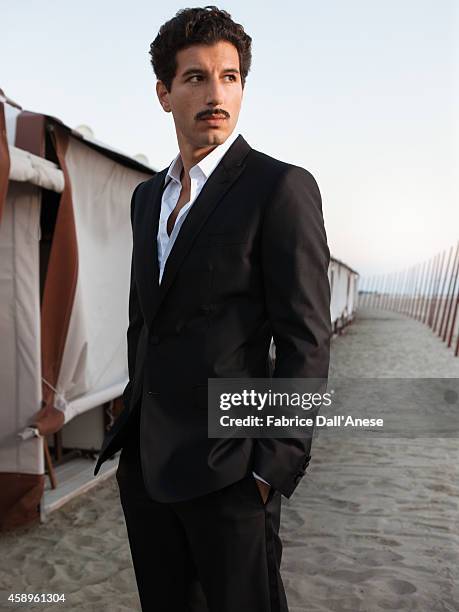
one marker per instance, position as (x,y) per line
(238,236)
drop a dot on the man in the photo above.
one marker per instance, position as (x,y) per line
(229,250)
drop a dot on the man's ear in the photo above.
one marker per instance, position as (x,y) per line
(163,96)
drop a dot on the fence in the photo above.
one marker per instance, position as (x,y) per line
(427,292)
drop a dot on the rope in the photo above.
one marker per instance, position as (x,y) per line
(59,400)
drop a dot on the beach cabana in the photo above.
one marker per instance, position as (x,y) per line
(344,290)
(65,240)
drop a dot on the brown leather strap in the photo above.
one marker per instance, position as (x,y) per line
(4,160)
(30,133)
(61,278)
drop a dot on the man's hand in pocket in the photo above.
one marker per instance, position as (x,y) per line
(264,489)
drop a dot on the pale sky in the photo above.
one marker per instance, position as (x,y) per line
(362,94)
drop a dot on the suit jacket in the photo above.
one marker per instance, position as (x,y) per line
(250,262)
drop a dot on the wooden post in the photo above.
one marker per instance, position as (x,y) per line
(398,291)
(429,289)
(453,322)
(451,300)
(406,275)
(383,292)
(415,290)
(434,301)
(49,464)
(391,291)
(409,302)
(441,331)
(442,290)
(423,290)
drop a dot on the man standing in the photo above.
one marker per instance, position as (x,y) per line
(229,250)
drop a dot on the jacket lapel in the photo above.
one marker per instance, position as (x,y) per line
(147,269)
(219,182)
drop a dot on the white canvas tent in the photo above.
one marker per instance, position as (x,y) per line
(65,241)
(344,289)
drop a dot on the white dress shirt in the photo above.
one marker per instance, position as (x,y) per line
(199,174)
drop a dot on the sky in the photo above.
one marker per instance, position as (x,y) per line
(364,95)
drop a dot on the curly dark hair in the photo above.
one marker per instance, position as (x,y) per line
(192,26)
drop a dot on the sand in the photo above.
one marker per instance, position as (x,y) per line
(372,527)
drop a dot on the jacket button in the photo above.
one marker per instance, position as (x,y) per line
(154,340)
(298,478)
(208,308)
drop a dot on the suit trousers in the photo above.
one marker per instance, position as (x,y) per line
(219,552)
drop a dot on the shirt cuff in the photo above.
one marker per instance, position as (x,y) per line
(260,478)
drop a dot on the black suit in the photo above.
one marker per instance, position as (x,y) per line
(249,262)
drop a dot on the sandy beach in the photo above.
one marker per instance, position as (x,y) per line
(372,527)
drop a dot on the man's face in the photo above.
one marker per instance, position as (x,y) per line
(206,94)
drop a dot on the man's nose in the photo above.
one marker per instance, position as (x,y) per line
(214,94)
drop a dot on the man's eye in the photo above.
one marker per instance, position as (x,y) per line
(195,78)
(231,77)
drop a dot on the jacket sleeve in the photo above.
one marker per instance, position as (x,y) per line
(135,319)
(295,261)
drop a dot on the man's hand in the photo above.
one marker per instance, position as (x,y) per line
(263,488)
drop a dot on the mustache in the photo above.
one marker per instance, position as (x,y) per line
(211,112)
